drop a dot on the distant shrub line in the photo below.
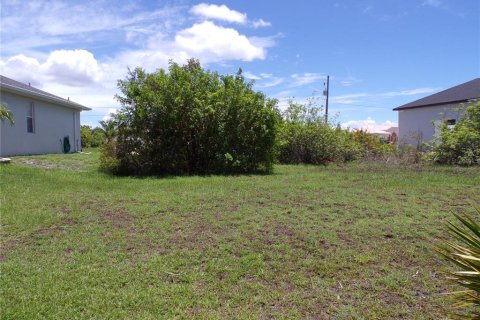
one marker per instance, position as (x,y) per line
(194,121)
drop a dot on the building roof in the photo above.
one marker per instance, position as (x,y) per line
(7,84)
(461,93)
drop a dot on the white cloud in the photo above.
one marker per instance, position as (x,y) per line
(260,23)
(251,76)
(264,80)
(29,26)
(149,59)
(355,98)
(274,81)
(71,67)
(265,42)
(108,116)
(349,81)
(157,35)
(130,35)
(348,98)
(22,68)
(304,79)
(411,92)
(74,74)
(222,12)
(214,43)
(369,125)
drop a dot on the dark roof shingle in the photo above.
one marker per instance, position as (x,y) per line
(463,92)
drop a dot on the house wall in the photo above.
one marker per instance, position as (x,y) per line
(418,123)
(51,122)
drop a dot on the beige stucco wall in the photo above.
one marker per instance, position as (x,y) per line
(52,124)
(418,123)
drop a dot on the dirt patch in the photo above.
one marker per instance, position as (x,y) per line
(279,233)
(119,218)
(199,237)
(70,222)
(384,199)
(38,163)
(56,229)
(49,230)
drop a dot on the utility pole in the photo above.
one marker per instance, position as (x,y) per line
(326,93)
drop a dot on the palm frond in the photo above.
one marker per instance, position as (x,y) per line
(464,253)
(6,114)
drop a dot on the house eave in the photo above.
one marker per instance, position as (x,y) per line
(401,108)
(43,97)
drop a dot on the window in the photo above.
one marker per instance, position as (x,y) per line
(31,118)
(450,123)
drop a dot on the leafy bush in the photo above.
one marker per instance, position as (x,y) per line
(372,147)
(409,154)
(191,121)
(108,159)
(465,255)
(304,137)
(461,144)
(86,136)
(92,137)
(98,137)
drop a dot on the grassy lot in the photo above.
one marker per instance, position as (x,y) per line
(352,242)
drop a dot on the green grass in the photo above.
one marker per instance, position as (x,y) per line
(351,242)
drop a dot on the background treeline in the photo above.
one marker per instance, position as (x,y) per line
(194,121)
(96,137)
(91,137)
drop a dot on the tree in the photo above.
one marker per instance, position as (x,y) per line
(98,137)
(6,114)
(191,121)
(304,137)
(460,144)
(86,136)
(108,128)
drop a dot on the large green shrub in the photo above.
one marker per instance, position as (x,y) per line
(305,137)
(460,144)
(191,121)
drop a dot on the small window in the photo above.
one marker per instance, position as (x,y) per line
(31,118)
(450,123)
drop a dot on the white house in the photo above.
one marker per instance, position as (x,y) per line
(418,120)
(44,123)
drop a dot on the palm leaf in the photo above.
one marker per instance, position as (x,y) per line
(464,253)
(6,114)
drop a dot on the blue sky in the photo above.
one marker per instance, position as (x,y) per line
(379,54)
